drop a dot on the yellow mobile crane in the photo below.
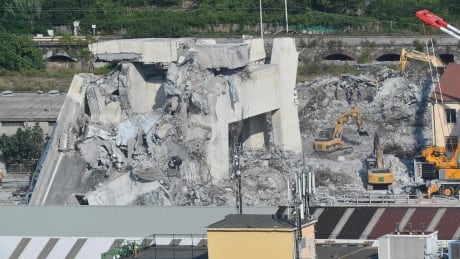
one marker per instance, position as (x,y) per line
(439,171)
(377,174)
(330,140)
(434,60)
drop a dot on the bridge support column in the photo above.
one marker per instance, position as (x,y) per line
(286,133)
(256,127)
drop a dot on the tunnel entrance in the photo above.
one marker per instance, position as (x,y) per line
(447,58)
(338,56)
(389,57)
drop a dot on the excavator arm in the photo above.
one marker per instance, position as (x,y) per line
(378,152)
(434,60)
(356,115)
(331,139)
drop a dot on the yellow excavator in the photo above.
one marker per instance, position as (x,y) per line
(378,176)
(330,140)
(434,60)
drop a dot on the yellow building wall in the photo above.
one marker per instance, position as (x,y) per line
(440,127)
(250,245)
(308,233)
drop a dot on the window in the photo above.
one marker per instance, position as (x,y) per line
(451,115)
(451,143)
(13,123)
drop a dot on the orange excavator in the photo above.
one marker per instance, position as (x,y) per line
(330,140)
(435,61)
(377,174)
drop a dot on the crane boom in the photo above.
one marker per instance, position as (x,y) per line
(438,23)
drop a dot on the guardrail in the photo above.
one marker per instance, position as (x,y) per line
(61,40)
(163,243)
(383,200)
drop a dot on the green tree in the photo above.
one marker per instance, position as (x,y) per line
(19,53)
(23,147)
(24,9)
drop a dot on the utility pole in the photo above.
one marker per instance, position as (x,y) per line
(261,25)
(285,12)
(298,217)
(237,175)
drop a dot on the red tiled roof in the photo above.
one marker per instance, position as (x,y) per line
(449,224)
(450,85)
(421,216)
(387,222)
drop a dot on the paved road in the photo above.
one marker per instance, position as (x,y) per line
(60,173)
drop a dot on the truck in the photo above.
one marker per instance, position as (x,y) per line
(378,176)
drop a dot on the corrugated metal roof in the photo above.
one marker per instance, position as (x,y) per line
(448,89)
(93,247)
(65,247)
(112,221)
(34,247)
(448,226)
(30,107)
(8,245)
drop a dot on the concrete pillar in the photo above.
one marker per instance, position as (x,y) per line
(217,155)
(255,128)
(286,130)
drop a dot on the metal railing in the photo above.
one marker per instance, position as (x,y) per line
(383,200)
(173,246)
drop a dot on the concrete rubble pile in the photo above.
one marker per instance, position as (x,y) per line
(146,129)
(393,106)
(155,155)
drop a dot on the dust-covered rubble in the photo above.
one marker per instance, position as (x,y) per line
(393,106)
(153,152)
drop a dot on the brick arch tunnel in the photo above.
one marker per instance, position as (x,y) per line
(446,58)
(338,56)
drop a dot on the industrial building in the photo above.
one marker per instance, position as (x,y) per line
(25,109)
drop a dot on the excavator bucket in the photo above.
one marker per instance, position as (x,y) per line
(363,133)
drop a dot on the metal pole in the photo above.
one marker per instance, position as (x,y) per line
(240,196)
(261,25)
(285,12)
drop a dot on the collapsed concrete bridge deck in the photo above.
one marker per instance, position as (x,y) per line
(206,84)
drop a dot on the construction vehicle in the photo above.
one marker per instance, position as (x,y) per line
(378,176)
(432,59)
(330,140)
(439,172)
(435,170)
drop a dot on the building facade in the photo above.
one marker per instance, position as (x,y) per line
(25,109)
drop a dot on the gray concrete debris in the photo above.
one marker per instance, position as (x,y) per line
(164,146)
(155,156)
